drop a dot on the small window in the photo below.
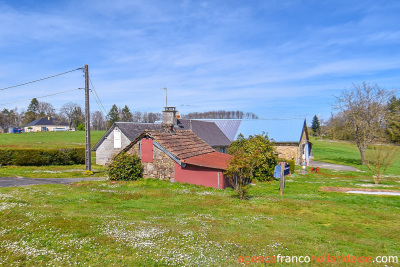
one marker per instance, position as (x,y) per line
(117,139)
(222,150)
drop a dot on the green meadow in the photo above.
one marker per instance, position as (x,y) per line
(158,223)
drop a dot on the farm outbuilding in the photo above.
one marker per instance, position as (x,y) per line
(180,156)
(121,134)
(290,136)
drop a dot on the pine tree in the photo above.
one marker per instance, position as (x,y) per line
(113,115)
(315,125)
(34,106)
(126,114)
(393,120)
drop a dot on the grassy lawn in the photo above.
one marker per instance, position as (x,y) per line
(345,153)
(157,223)
(48,139)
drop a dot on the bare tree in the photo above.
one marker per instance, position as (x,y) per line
(98,121)
(364,107)
(45,109)
(220,114)
(68,110)
(379,158)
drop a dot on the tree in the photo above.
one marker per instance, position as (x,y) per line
(34,106)
(45,109)
(364,108)
(220,114)
(97,120)
(315,125)
(31,113)
(67,110)
(252,158)
(126,114)
(77,117)
(113,116)
(379,158)
(393,122)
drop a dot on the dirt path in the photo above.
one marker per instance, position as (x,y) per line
(331,166)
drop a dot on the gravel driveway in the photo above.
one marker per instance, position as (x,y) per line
(19,181)
(331,166)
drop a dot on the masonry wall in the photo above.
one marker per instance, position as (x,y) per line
(288,151)
(106,150)
(162,167)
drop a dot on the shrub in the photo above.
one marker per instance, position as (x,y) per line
(252,158)
(42,157)
(125,167)
(291,162)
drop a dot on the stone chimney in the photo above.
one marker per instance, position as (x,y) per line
(169,119)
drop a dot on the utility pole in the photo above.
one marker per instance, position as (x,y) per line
(88,160)
(282,181)
(166,96)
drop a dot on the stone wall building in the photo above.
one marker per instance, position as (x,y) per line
(290,136)
(180,156)
(120,134)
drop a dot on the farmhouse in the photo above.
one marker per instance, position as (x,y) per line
(180,156)
(121,134)
(46,125)
(290,136)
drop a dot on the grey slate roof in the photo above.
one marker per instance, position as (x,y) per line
(208,131)
(47,122)
(130,129)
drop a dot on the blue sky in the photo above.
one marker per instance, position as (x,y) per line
(279,59)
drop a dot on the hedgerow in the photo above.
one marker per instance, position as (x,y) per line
(42,157)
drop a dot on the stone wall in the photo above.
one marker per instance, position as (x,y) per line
(287,151)
(293,151)
(106,150)
(162,167)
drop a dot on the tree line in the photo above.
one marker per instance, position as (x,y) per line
(73,114)
(220,114)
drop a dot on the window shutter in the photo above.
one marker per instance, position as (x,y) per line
(117,139)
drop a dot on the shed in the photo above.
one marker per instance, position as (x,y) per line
(290,136)
(180,156)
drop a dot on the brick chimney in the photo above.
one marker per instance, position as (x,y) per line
(169,119)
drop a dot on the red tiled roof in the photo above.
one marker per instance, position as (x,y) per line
(215,160)
(183,144)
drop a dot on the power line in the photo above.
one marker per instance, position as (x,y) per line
(63,92)
(96,95)
(22,84)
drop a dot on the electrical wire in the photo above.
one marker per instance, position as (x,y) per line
(22,84)
(98,98)
(63,92)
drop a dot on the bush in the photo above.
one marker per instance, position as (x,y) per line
(291,162)
(252,158)
(42,157)
(125,167)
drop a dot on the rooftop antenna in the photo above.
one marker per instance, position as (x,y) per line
(166,96)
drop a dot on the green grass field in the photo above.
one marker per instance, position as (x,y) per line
(345,153)
(158,223)
(48,139)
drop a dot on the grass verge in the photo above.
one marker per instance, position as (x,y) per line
(157,223)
